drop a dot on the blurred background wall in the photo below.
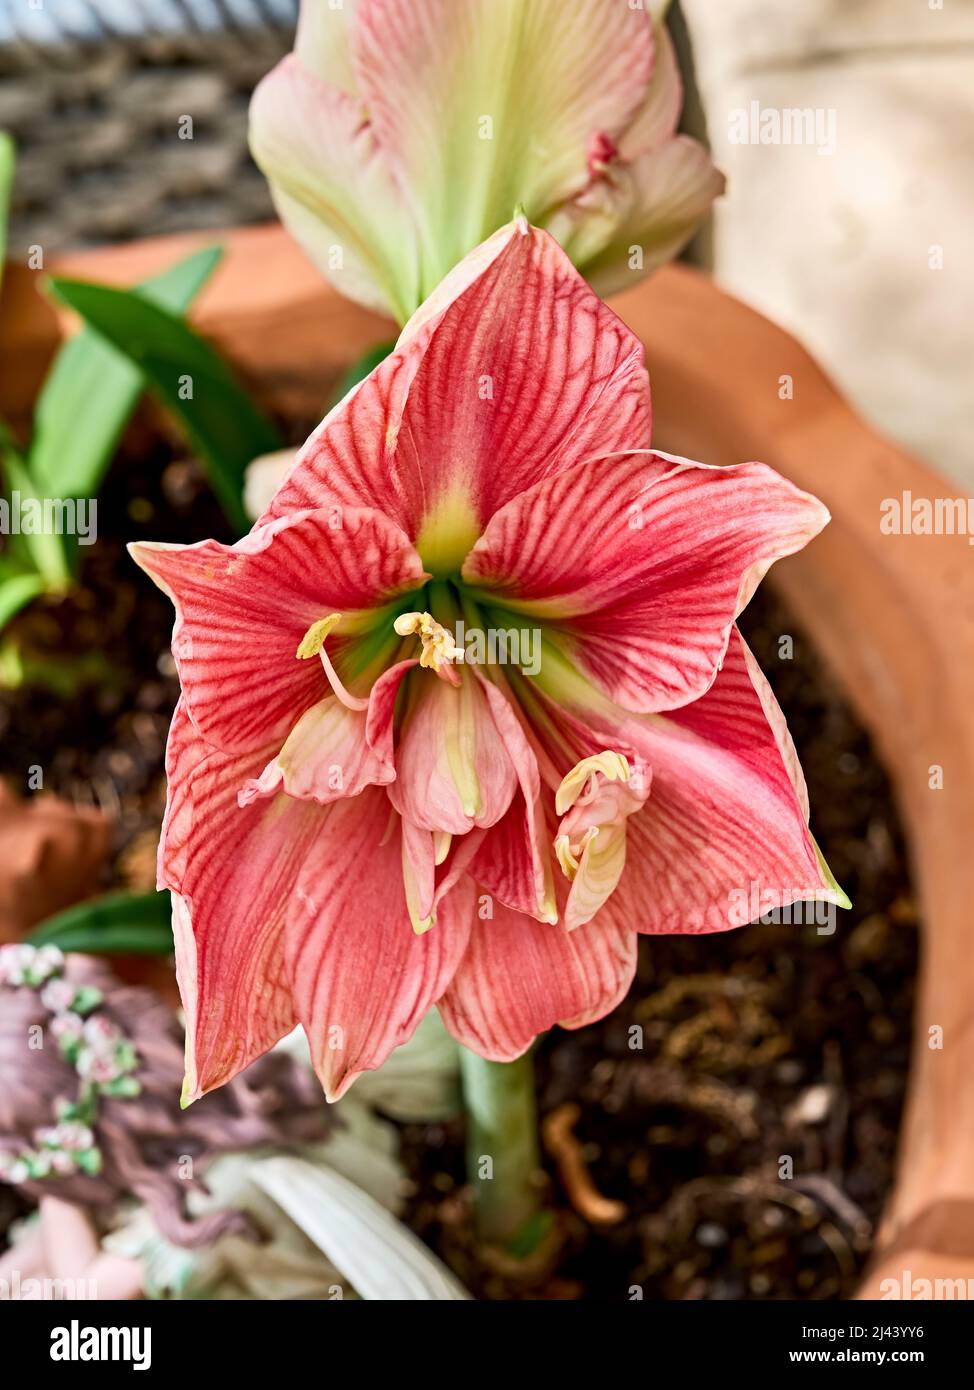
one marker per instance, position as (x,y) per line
(859,241)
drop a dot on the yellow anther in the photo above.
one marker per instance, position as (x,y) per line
(569,855)
(314,639)
(439,647)
(313,644)
(613,767)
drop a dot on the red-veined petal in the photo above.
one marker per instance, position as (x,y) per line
(643,561)
(453,770)
(325,757)
(519,977)
(361,977)
(233,872)
(514,358)
(333,751)
(242,611)
(726,825)
(512,860)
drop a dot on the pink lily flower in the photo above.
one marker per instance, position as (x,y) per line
(366,816)
(401,133)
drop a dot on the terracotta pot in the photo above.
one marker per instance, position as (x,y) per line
(892,615)
(51,856)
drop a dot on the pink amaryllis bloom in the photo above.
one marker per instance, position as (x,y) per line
(402,133)
(467,710)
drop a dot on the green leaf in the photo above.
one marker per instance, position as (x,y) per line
(7,161)
(47,551)
(176,288)
(16,591)
(360,370)
(222,423)
(64,674)
(117,923)
(93,388)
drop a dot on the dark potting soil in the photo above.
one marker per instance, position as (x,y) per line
(742,1151)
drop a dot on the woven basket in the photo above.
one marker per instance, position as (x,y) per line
(95,94)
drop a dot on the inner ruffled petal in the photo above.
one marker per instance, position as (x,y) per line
(453,771)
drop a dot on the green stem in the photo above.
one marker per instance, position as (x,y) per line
(503,1158)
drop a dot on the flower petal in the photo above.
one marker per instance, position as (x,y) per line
(242,610)
(453,771)
(419,874)
(324,41)
(525,366)
(349,460)
(602,794)
(519,977)
(382,708)
(361,978)
(333,751)
(334,188)
(501,97)
(659,115)
(232,873)
(325,757)
(726,824)
(512,860)
(513,358)
(643,561)
(651,206)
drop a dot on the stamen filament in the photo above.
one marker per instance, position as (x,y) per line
(348,700)
(313,644)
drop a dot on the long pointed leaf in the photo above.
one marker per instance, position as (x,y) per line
(223,424)
(93,388)
(118,923)
(16,592)
(45,550)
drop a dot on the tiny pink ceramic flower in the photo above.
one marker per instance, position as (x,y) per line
(67,1028)
(402,133)
(58,995)
(467,710)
